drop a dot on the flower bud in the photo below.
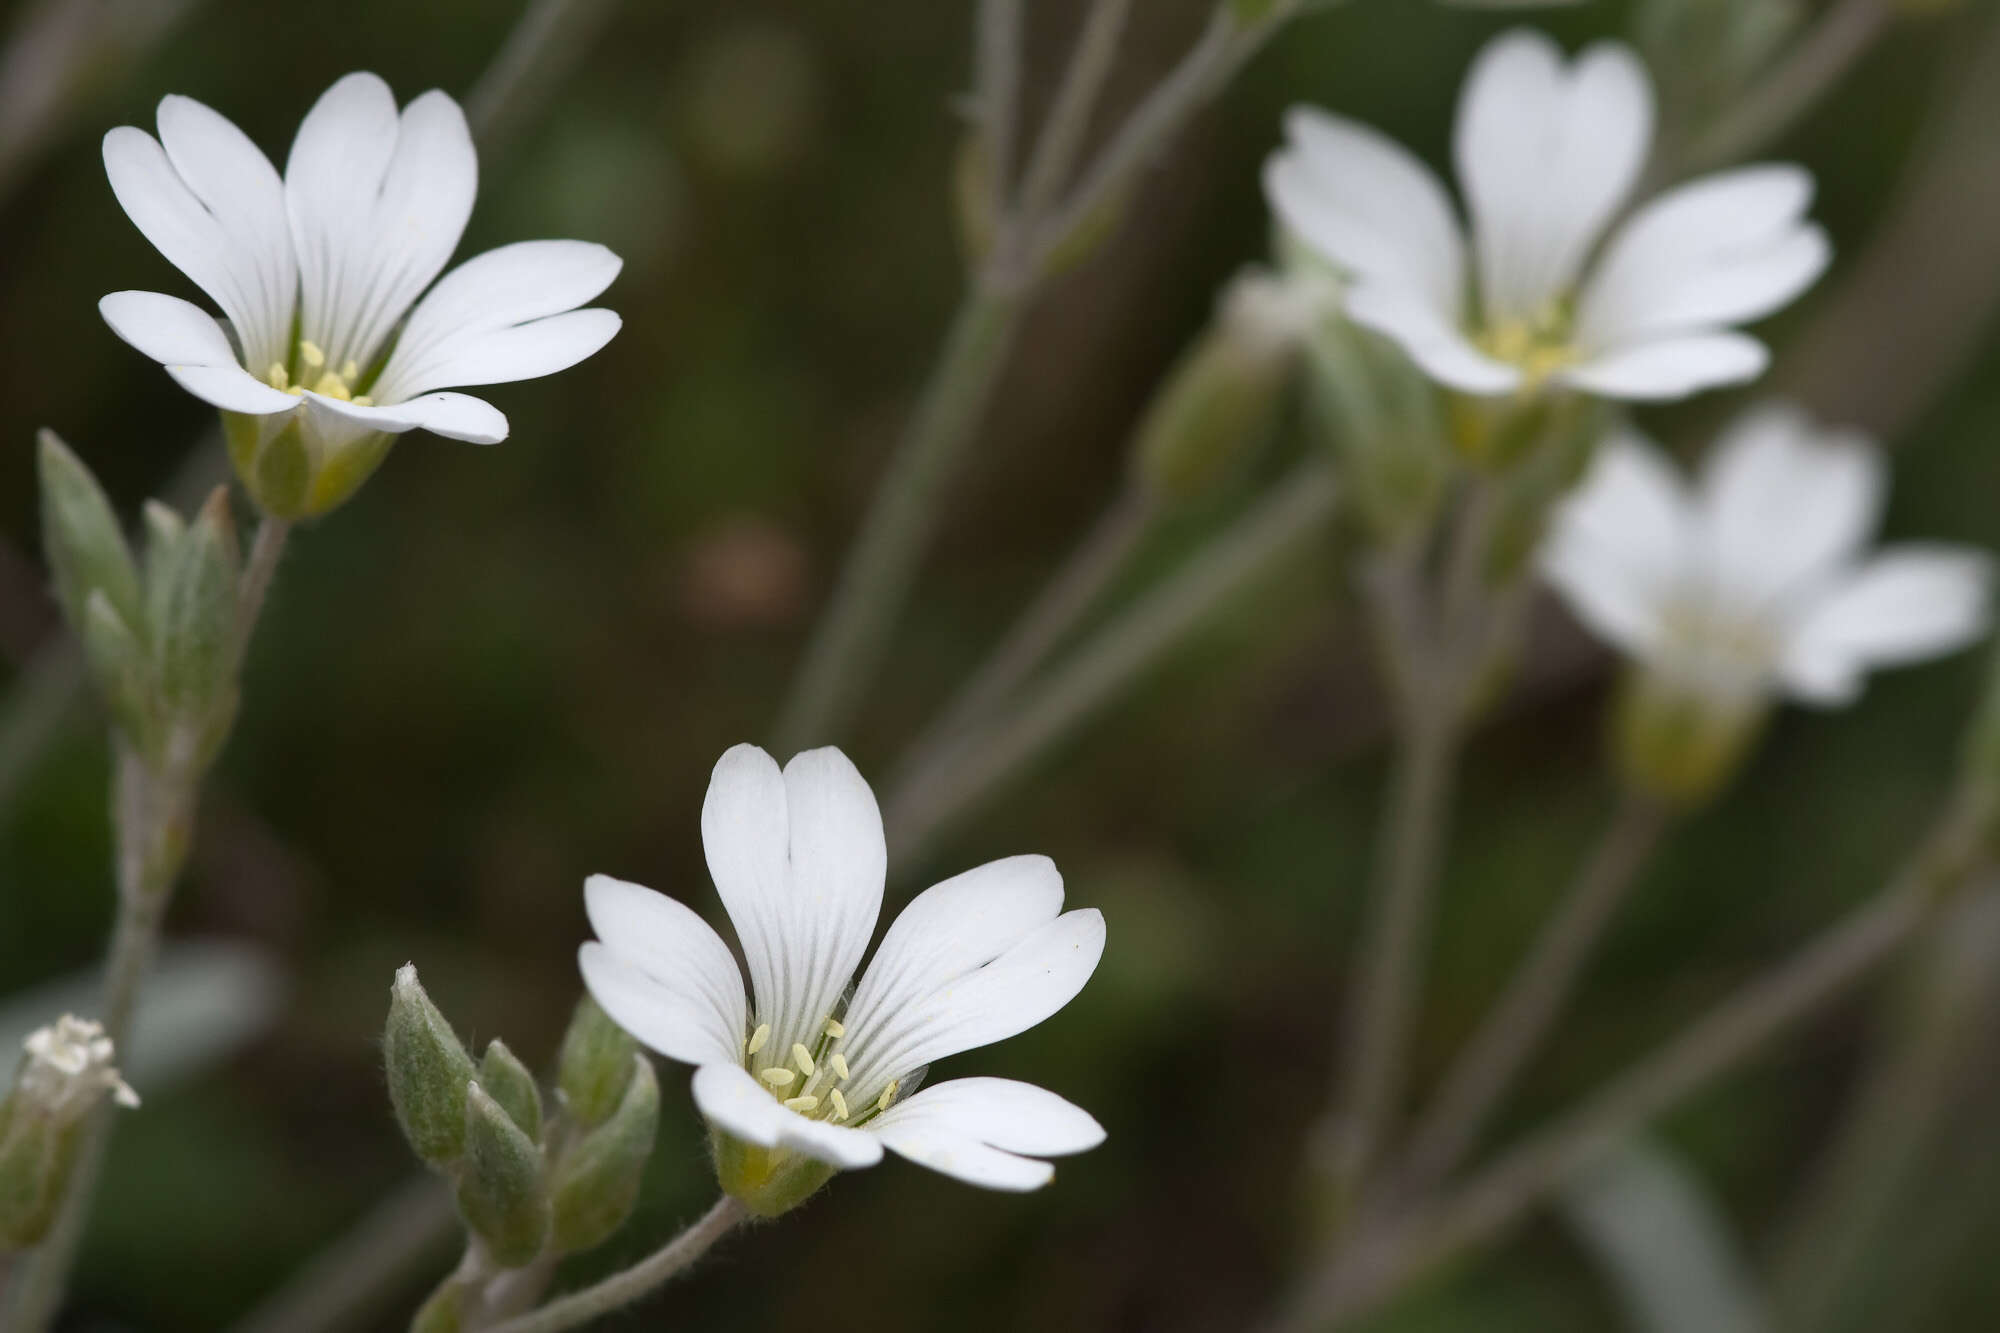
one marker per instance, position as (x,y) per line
(1677,745)
(66,1073)
(1378,415)
(509,1083)
(85,546)
(196,627)
(444,1312)
(428,1072)
(1222,397)
(596,1183)
(501,1195)
(121,672)
(595,1064)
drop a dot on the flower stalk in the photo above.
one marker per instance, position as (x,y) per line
(641,1279)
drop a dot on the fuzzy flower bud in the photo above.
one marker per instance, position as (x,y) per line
(596,1183)
(428,1071)
(67,1071)
(501,1194)
(595,1064)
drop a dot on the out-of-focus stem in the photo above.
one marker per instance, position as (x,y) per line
(622,1288)
(541,49)
(1781,97)
(349,1280)
(1062,134)
(925,799)
(997,92)
(1055,612)
(1516,1025)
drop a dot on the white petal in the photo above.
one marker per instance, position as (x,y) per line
(670,1019)
(680,954)
(1439,348)
(1787,504)
(1905,605)
(218,251)
(1011,994)
(1670,368)
(1722,250)
(233,389)
(168,329)
(742,1108)
(1013,1116)
(799,860)
(946,932)
(457,416)
(954,1136)
(1369,206)
(489,320)
(1546,156)
(377,204)
(1619,546)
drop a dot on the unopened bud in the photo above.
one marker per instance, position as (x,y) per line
(1677,745)
(66,1073)
(85,546)
(428,1071)
(1378,416)
(596,1183)
(1222,398)
(444,1312)
(121,672)
(501,1194)
(196,624)
(510,1084)
(595,1064)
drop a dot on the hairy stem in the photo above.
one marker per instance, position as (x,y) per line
(623,1288)
(1516,1025)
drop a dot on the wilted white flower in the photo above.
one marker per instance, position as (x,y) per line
(802,1078)
(327,351)
(1756,581)
(1546,157)
(69,1069)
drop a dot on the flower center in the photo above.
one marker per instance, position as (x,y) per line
(811,1082)
(317,375)
(1540,345)
(1711,649)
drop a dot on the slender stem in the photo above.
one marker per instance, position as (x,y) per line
(265,551)
(1515,1027)
(1378,1263)
(853,633)
(1382,996)
(1061,139)
(997,92)
(925,799)
(1781,97)
(622,1288)
(346,1282)
(1922,1060)
(1065,600)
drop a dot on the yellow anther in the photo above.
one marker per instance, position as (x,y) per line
(332,386)
(839,1104)
(835,1028)
(277,376)
(311,353)
(839,1063)
(757,1038)
(778,1076)
(802,1057)
(888,1095)
(350,371)
(802,1103)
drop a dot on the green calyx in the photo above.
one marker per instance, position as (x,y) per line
(769,1182)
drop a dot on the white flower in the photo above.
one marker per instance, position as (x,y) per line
(1756,582)
(318,274)
(1546,156)
(69,1069)
(801,1074)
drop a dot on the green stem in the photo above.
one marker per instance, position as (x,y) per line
(1516,1025)
(876,581)
(623,1288)
(925,799)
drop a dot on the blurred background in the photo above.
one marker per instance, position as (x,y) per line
(500,669)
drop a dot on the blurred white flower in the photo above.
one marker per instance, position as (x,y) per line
(69,1069)
(1546,156)
(802,1078)
(318,274)
(1756,581)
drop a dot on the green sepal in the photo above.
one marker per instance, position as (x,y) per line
(80,533)
(444,1311)
(1220,401)
(769,1182)
(196,616)
(428,1071)
(596,1183)
(595,1064)
(121,672)
(501,1194)
(509,1083)
(36,1155)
